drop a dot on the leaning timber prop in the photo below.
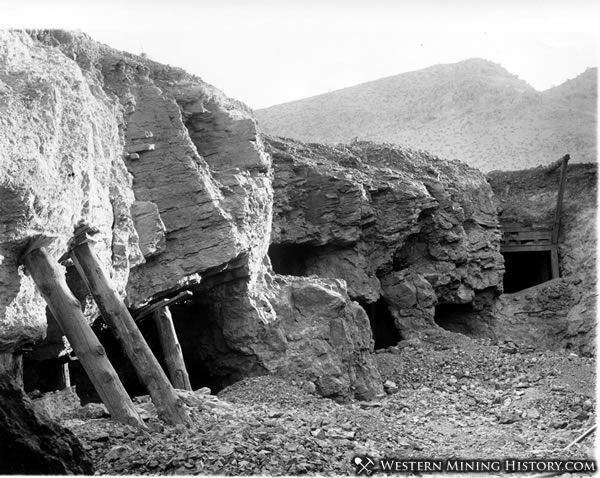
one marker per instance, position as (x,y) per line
(50,281)
(117,316)
(171,349)
(161,314)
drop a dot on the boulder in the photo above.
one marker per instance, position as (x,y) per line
(58,404)
(31,443)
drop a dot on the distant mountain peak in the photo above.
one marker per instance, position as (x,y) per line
(474,110)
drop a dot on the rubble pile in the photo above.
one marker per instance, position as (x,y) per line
(456,397)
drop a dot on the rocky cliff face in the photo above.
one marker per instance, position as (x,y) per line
(175,176)
(182,186)
(61,162)
(397,225)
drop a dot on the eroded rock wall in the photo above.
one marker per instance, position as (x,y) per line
(176,177)
(393,223)
(319,336)
(60,163)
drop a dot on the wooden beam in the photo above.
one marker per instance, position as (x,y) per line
(50,281)
(526,247)
(559,198)
(117,316)
(171,349)
(151,308)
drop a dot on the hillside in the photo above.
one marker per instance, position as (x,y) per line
(474,110)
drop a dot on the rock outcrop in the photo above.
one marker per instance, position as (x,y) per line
(60,162)
(175,177)
(31,443)
(395,224)
(560,312)
(319,336)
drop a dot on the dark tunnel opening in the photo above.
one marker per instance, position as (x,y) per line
(209,360)
(291,259)
(385,333)
(191,321)
(526,269)
(455,317)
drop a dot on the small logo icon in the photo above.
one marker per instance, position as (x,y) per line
(363,464)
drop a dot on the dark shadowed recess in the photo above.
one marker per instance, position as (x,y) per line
(455,317)
(525,269)
(210,359)
(385,333)
(293,259)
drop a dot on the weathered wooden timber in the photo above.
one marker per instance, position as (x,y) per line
(50,281)
(116,315)
(171,349)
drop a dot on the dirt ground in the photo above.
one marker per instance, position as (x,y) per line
(457,398)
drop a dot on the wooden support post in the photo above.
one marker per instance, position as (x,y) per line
(50,281)
(559,198)
(66,375)
(12,365)
(122,325)
(554,262)
(171,349)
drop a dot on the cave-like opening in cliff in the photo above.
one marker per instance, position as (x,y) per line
(209,360)
(385,333)
(291,259)
(526,269)
(455,317)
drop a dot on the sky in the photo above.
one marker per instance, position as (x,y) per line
(266,52)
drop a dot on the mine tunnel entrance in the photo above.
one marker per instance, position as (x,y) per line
(526,269)
(455,317)
(384,330)
(202,343)
(292,259)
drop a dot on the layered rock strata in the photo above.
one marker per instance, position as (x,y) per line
(175,177)
(395,224)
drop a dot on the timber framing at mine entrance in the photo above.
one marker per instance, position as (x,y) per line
(517,238)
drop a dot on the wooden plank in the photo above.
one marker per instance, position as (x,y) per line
(50,281)
(123,327)
(525,247)
(534,235)
(151,308)
(171,349)
(66,375)
(559,198)
(515,228)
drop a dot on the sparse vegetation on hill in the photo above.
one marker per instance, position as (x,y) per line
(475,111)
